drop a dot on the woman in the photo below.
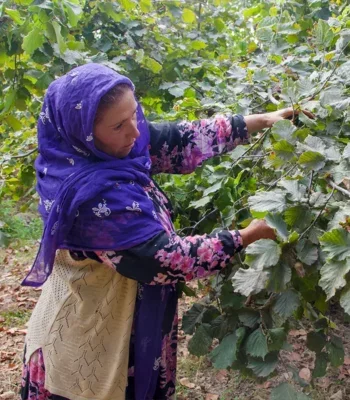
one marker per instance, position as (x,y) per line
(105,326)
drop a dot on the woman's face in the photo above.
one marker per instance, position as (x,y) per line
(116,132)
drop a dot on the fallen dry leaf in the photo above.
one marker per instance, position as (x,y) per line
(305,374)
(211,396)
(186,382)
(221,376)
(298,332)
(337,396)
(347,361)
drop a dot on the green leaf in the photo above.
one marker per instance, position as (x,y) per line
(201,202)
(188,16)
(256,344)
(285,391)
(249,281)
(297,216)
(201,341)
(296,190)
(323,33)
(284,129)
(212,189)
(14,15)
(316,341)
(286,303)
(74,12)
(224,355)
(307,252)
(265,34)
(262,254)
(198,45)
(335,349)
(333,276)
(280,276)
(33,41)
(263,368)
(276,222)
(276,339)
(345,299)
(228,299)
(267,201)
(152,65)
(57,28)
(284,149)
(219,24)
(336,243)
(312,160)
(249,317)
(346,153)
(176,91)
(192,317)
(306,120)
(320,365)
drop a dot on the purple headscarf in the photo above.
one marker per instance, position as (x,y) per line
(88,200)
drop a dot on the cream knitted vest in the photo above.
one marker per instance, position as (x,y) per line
(83,323)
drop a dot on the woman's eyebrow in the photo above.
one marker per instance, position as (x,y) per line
(118,123)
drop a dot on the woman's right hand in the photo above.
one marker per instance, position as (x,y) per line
(257,229)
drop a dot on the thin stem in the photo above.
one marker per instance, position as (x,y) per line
(27,154)
(335,186)
(318,216)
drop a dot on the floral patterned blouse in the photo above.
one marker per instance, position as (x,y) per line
(167,258)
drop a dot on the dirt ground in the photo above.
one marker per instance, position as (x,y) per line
(197,379)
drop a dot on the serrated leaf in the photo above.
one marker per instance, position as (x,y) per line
(324,34)
(224,355)
(74,12)
(192,317)
(333,276)
(320,365)
(262,254)
(306,120)
(249,317)
(335,349)
(286,303)
(265,34)
(200,342)
(307,252)
(345,299)
(188,16)
(277,338)
(249,281)
(198,45)
(280,276)
(59,38)
(336,243)
(201,202)
(296,190)
(256,344)
(219,24)
(267,201)
(297,216)
(33,41)
(263,368)
(176,91)
(228,299)
(284,130)
(152,64)
(212,189)
(284,149)
(346,152)
(276,222)
(312,160)
(285,391)
(316,341)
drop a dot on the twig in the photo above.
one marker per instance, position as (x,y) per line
(281,177)
(202,219)
(331,74)
(310,186)
(27,154)
(318,216)
(335,186)
(261,138)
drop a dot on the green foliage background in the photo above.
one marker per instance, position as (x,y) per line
(190,60)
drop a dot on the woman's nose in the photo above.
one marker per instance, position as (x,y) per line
(135,132)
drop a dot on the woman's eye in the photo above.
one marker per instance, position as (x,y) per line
(117,127)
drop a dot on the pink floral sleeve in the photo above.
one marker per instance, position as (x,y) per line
(179,148)
(170,259)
